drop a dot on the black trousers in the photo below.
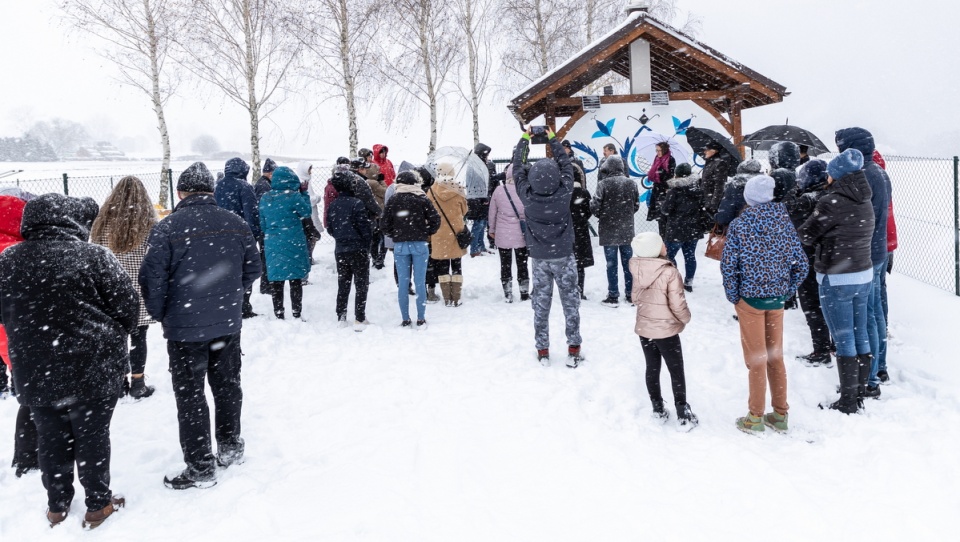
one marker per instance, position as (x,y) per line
(77,434)
(581,275)
(378,251)
(353,267)
(138,350)
(191,365)
(809,296)
(435,268)
(506,260)
(4,380)
(296,297)
(25,440)
(264,283)
(670,351)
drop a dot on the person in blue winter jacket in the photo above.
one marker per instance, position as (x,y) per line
(235,194)
(862,140)
(282,211)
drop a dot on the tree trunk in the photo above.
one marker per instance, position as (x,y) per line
(428,76)
(165,180)
(472,66)
(349,80)
(541,38)
(253,106)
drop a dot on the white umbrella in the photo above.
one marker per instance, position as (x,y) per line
(469,169)
(645,147)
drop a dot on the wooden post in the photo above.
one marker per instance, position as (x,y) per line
(737,120)
(551,117)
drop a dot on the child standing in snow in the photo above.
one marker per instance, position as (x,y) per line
(661,315)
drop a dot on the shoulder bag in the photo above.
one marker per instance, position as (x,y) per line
(463,236)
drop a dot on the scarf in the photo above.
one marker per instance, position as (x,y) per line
(661,162)
(409,189)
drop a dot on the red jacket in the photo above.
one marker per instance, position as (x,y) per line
(11,214)
(891,222)
(386,166)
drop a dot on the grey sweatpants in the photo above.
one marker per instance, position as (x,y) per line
(563,271)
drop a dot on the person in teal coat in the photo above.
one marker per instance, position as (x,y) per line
(285,244)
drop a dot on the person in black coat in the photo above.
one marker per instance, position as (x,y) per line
(262,187)
(718,168)
(840,229)
(350,225)
(236,195)
(68,308)
(812,180)
(199,261)
(479,208)
(682,220)
(732,202)
(614,203)
(580,213)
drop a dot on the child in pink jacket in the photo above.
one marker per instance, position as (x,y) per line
(661,315)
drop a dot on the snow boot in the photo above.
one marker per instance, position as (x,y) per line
(432,296)
(884,376)
(611,301)
(421,325)
(574,356)
(524,290)
(456,288)
(56,518)
(688,285)
(776,421)
(750,424)
(185,481)
(139,388)
(849,386)
(445,290)
(508,291)
(230,454)
(543,356)
(864,362)
(658,413)
(816,359)
(685,415)
(94,519)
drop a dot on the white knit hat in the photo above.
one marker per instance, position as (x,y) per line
(647,244)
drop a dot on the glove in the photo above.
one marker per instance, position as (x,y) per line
(550,134)
(526,135)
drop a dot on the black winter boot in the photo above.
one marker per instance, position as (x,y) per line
(139,388)
(849,381)
(685,415)
(659,412)
(863,376)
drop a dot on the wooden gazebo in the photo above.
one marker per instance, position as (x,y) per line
(660,62)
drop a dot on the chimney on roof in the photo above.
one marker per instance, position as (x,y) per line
(642,6)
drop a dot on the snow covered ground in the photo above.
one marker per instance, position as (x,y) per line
(456,433)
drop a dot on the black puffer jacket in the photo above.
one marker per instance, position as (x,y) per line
(732,202)
(409,217)
(546,191)
(614,203)
(580,213)
(67,306)
(879,181)
(841,227)
(714,176)
(681,209)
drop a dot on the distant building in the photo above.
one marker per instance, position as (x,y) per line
(101,150)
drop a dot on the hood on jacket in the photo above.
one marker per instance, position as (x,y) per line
(856,138)
(853,186)
(752,167)
(613,166)
(285,179)
(785,182)
(11,215)
(373,172)
(649,270)
(483,151)
(784,154)
(303,171)
(55,216)
(343,183)
(683,182)
(236,168)
(447,190)
(812,176)
(17,192)
(544,177)
(376,152)
(445,173)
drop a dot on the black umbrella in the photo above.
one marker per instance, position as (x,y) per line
(765,138)
(699,137)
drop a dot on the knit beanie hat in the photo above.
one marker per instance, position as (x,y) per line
(749,166)
(196,178)
(269,165)
(812,174)
(759,190)
(845,163)
(408,177)
(683,170)
(647,244)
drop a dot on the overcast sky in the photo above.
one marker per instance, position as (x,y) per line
(886,65)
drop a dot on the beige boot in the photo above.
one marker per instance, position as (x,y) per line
(456,288)
(445,291)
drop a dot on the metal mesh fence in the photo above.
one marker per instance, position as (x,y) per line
(925,201)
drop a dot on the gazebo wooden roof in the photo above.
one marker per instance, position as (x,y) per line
(720,85)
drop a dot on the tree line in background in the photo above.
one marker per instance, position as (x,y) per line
(409,56)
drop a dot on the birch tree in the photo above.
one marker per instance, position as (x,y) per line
(345,48)
(135,35)
(243,48)
(545,33)
(473,19)
(420,53)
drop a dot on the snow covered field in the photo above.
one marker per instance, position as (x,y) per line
(456,433)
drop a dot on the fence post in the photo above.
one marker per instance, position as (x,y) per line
(956,223)
(170,184)
(66,185)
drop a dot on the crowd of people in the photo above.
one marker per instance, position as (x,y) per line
(80,284)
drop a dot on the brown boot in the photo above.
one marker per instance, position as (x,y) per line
(445,291)
(56,518)
(94,519)
(456,288)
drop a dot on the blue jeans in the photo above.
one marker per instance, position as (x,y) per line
(689,249)
(478,231)
(877,324)
(845,310)
(626,252)
(415,254)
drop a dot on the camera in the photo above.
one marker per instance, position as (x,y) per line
(539,135)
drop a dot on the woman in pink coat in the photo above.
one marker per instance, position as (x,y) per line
(507,229)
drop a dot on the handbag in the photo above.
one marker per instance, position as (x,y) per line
(464,237)
(523,223)
(715,243)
